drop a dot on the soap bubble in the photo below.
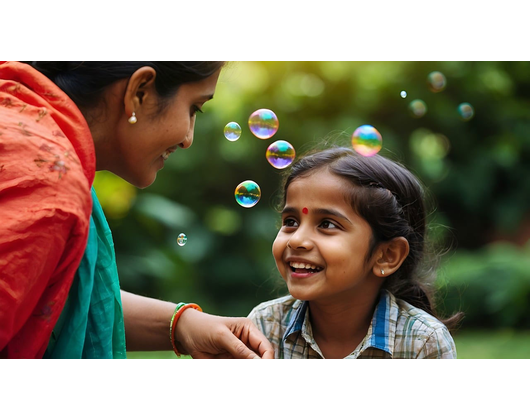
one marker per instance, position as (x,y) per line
(436,81)
(247,194)
(418,108)
(403,94)
(466,111)
(280,154)
(232,131)
(263,123)
(366,140)
(182,239)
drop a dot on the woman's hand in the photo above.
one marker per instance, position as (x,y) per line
(205,336)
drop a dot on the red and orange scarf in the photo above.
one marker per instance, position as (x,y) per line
(47,166)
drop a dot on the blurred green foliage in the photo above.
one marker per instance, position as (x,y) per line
(477,171)
(491,286)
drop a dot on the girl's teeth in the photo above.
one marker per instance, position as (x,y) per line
(165,155)
(303,265)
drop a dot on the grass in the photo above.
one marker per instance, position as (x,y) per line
(473,344)
(493,344)
(154,355)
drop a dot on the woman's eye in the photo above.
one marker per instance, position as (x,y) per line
(195,109)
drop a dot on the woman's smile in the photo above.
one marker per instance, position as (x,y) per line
(166,153)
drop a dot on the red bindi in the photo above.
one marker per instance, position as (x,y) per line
(305,211)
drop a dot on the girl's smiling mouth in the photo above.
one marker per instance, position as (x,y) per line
(301,269)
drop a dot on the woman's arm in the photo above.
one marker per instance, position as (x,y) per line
(146,322)
(201,335)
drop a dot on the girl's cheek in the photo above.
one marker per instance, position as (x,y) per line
(277,247)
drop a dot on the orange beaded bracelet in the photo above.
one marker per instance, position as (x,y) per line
(181,307)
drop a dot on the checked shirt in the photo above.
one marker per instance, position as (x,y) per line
(398,330)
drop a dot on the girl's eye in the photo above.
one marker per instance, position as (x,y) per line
(326,224)
(290,223)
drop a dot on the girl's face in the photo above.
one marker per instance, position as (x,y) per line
(322,245)
(142,148)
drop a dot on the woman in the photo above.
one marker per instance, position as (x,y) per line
(59,292)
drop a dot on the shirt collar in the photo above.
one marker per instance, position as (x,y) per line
(381,332)
(382,329)
(297,320)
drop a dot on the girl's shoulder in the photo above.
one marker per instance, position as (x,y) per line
(273,318)
(275,308)
(410,314)
(418,334)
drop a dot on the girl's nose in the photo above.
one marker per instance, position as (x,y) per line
(300,239)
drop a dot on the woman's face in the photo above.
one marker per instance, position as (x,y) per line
(142,148)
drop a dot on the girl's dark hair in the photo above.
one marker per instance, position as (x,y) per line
(392,200)
(85,81)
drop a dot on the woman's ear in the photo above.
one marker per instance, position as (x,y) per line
(140,86)
(391,255)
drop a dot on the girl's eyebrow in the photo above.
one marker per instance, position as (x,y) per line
(333,213)
(291,210)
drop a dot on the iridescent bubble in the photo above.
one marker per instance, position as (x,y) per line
(418,108)
(247,194)
(182,239)
(466,111)
(232,131)
(280,154)
(403,94)
(366,140)
(436,81)
(263,123)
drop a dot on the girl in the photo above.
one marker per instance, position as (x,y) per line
(59,291)
(349,249)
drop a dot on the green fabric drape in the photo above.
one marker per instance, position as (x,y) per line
(91,323)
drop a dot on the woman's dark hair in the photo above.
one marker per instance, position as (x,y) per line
(392,200)
(85,81)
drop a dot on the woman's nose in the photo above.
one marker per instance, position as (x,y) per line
(188,141)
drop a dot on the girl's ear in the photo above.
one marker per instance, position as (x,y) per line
(391,256)
(141,84)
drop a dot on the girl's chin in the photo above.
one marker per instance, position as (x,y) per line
(299,293)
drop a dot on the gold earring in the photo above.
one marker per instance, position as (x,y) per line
(382,272)
(132,119)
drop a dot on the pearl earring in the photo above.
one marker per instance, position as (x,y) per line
(132,119)
(382,272)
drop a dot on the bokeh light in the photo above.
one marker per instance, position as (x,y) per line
(436,81)
(417,108)
(403,94)
(466,111)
